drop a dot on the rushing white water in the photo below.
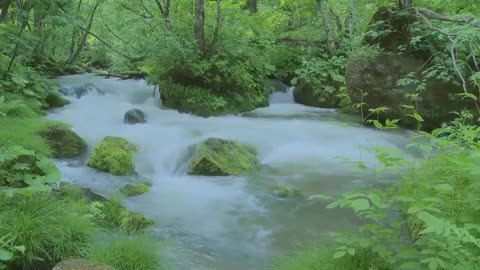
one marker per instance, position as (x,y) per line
(279,97)
(224,222)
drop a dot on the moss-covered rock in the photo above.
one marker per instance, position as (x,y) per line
(80,264)
(63,142)
(308,95)
(113,155)
(133,221)
(205,102)
(54,100)
(217,157)
(286,192)
(136,189)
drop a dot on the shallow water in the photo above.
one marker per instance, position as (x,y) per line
(225,222)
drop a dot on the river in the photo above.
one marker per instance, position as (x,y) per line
(226,222)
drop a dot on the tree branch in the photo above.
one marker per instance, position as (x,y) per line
(301,42)
(442,17)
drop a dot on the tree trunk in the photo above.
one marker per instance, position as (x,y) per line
(74,32)
(84,38)
(39,13)
(199,27)
(213,45)
(404,4)
(326,27)
(252,6)
(4,5)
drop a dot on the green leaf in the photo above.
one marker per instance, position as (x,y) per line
(361,204)
(339,254)
(5,255)
(444,187)
(351,251)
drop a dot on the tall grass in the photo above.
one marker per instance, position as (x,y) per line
(46,227)
(25,132)
(127,252)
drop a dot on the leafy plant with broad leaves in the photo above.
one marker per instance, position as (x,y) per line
(22,171)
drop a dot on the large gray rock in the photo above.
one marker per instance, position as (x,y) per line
(378,74)
(134,116)
(80,264)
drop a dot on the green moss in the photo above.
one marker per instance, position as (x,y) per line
(63,141)
(135,189)
(113,155)
(217,157)
(115,215)
(205,102)
(286,192)
(55,100)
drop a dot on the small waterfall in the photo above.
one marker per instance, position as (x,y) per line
(282,97)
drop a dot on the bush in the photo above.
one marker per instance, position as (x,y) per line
(46,227)
(125,252)
(322,258)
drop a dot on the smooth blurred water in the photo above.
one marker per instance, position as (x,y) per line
(225,222)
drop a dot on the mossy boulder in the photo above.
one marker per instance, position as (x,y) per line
(55,100)
(285,192)
(80,264)
(217,157)
(389,71)
(133,221)
(136,189)
(113,155)
(205,102)
(305,93)
(63,142)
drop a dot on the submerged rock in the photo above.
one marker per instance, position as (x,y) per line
(217,157)
(113,155)
(80,264)
(135,189)
(64,142)
(134,116)
(78,91)
(284,192)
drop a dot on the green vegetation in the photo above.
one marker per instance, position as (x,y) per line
(126,253)
(113,155)
(135,189)
(63,141)
(217,157)
(408,63)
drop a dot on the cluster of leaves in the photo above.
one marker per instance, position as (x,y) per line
(435,202)
(26,172)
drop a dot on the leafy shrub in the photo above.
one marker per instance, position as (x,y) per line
(46,228)
(126,252)
(21,168)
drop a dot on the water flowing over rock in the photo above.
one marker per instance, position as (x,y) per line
(113,155)
(64,142)
(217,157)
(134,116)
(80,264)
(79,91)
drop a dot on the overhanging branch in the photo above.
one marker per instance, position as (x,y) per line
(430,14)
